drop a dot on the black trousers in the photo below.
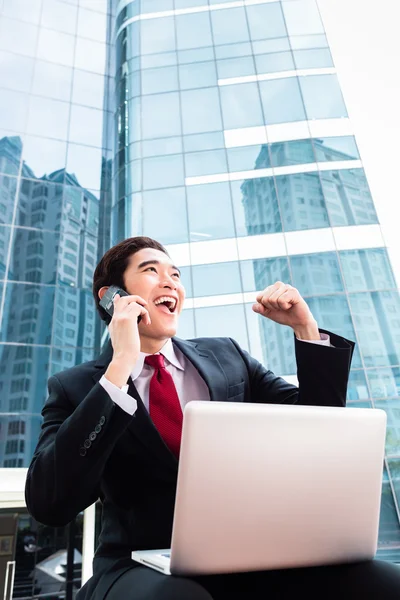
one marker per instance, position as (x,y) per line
(372,580)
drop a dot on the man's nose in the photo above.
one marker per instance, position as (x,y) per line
(168,282)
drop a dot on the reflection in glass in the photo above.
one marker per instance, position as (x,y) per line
(256,206)
(40,202)
(73,324)
(10,155)
(205,163)
(43,155)
(241,105)
(201,111)
(210,212)
(295,152)
(313,59)
(389,533)
(384,382)
(336,148)
(28,313)
(392,409)
(246,158)
(8,189)
(274,62)
(5,234)
(266,21)
(333,313)
(282,101)
(222,321)
(216,279)
(315,274)
(169,205)
(262,272)
(376,319)
(322,97)
(34,253)
(163,171)
(368,269)
(301,201)
(229,26)
(348,198)
(357,386)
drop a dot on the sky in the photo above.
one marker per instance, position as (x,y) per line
(365,44)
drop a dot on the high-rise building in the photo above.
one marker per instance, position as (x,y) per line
(218,128)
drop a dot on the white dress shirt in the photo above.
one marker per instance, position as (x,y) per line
(188,381)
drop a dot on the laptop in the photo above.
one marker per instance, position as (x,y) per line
(274,487)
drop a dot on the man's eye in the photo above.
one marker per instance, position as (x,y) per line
(151,268)
(177,275)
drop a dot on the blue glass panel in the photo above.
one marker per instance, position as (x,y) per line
(164,79)
(193,30)
(235,67)
(367,269)
(210,211)
(157,35)
(302,18)
(10,155)
(301,201)
(246,158)
(201,111)
(195,55)
(160,116)
(171,224)
(16,71)
(61,16)
(72,325)
(357,386)
(163,59)
(233,50)
(241,106)
(85,163)
(21,431)
(34,256)
(186,280)
(348,198)
(13,110)
(375,318)
(197,75)
(54,81)
(260,273)
(394,468)
(150,6)
(336,148)
(333,313)
(18,37)
(205,163)
(24,386)
(60,48)
(159,147)
(271,344)
(389,530)
(256,206)
(186,327)
(303,42)
(274,62)
(273,45)
(317,273)
(204,141)
(229,26)
(313,59)
(163,172)
(8,188)
(322,97)
(282,101)
(18,9)
(28,313)
(296,152)
(39,204)
(216,279)
(5,234)
(85,126)
(384,382)
(392,409)
(222,321)
(266,21)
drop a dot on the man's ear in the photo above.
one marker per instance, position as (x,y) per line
(102,291)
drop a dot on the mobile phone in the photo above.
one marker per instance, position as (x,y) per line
(107,301)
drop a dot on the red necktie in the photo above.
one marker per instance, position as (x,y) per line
(164,405)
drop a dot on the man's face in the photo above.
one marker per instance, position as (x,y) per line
(152,275)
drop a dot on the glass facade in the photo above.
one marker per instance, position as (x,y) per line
(221,131)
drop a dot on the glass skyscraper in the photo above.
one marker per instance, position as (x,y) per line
(218,128)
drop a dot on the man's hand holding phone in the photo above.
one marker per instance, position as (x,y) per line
(124,334)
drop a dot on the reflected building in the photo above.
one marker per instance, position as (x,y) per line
(48,308)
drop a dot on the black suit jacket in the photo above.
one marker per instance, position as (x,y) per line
(90,448)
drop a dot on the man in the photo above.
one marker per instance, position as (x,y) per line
(112,431)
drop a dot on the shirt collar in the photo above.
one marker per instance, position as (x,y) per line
(168,351)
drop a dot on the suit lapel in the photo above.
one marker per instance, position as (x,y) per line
(208,367)
(141,426)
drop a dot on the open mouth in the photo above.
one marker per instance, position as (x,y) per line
(166,303)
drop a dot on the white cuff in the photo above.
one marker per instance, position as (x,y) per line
(119,395)
(324,341)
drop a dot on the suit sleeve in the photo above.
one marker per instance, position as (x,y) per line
(322,372)
(64,476)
